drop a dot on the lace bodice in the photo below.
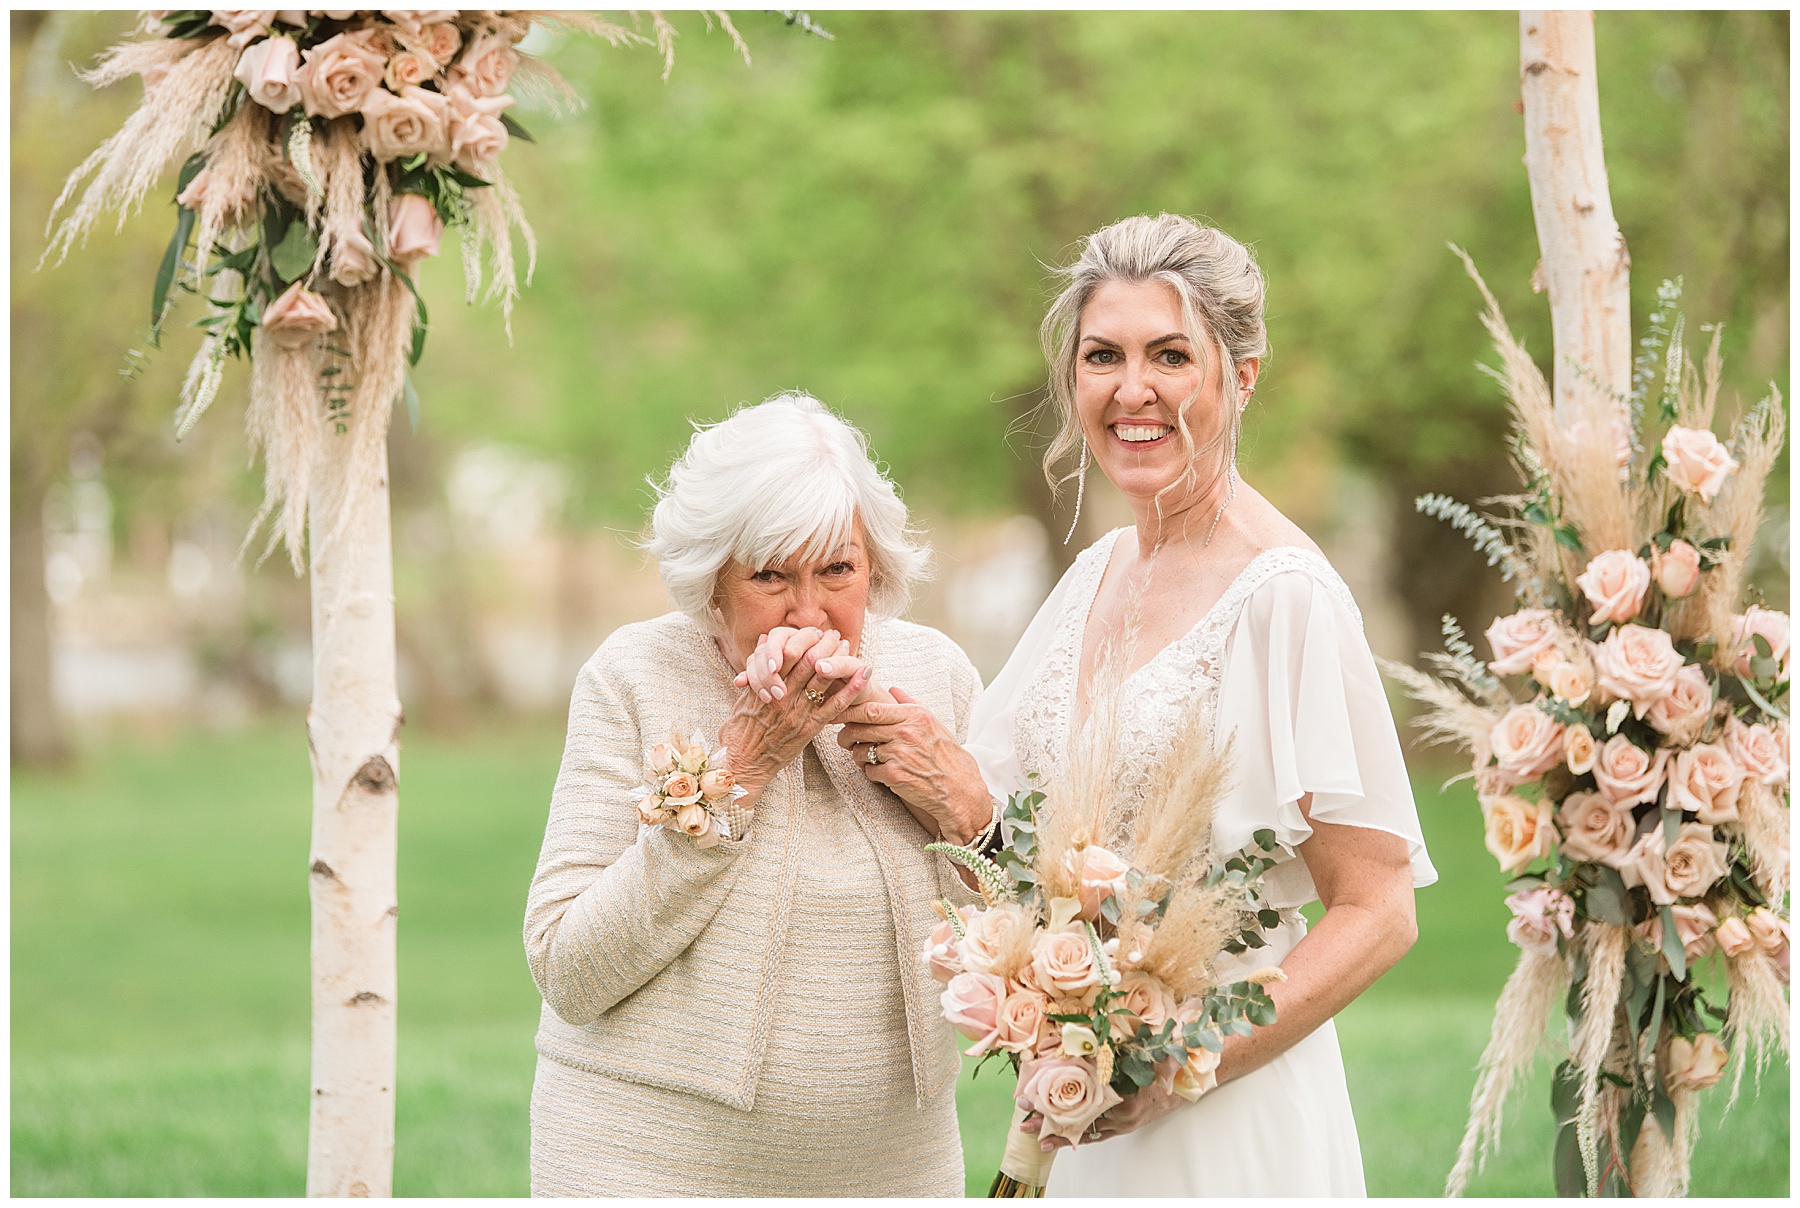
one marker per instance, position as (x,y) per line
(1181,676)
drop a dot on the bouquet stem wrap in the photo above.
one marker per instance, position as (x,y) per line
(1024,1167)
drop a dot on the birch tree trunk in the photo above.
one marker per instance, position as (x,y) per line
(352,731)
(1585,265)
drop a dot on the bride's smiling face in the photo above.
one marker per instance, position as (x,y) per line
(1135,370)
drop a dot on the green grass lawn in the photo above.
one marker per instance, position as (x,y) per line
(159,986)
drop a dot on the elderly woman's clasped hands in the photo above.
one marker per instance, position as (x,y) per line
(807,679)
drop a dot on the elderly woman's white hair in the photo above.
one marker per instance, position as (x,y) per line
(782,477)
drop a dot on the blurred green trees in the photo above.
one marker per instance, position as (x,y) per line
(870,219)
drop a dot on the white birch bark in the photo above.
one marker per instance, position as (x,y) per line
(352,731)
(1585,265)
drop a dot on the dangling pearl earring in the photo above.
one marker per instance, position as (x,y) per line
(1080,486)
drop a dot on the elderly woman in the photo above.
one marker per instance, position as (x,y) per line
(748,1016)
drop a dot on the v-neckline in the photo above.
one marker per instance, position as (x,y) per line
(1077,695)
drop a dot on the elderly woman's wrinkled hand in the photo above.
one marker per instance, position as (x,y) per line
(768,729)
(903,746)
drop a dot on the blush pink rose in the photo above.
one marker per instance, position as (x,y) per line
(414,230)
(651,812)
(940,955)
(992,933)
(353,259)
(486,67)
(1768,929)
(1637,664)
(408,69)
(337,76)
(1771,626)
(1067,1093)
(1571,683)
(1689,867)
(1539,915)
(1142,999)
(1627,773)
(717,783)
(1579,750)
(1101,875)
(1518,831)
(1733,937)
(1527,742)
(1697,462)
(1517,639)
(298,317)
(477,135)
(267,69)
(1614,583)
(1695,1064)
(1064,963)
(1704,782)
(1677,569)
(1758,750)
(244,25)
(662,758)
(1682,714)
(971,1003)
(1595,828)
(397,127)
(1022,1018)
(413,20)
(442,41)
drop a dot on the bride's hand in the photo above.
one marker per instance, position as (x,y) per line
(1150,1103)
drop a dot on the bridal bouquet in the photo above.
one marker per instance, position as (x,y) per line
(1094,975)
(689,790)
(1630,742)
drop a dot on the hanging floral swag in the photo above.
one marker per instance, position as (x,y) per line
(323,153)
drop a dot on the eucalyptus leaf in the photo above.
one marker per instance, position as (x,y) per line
(1673,950)
(292,258)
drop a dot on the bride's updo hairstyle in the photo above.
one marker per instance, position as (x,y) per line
(1221,291)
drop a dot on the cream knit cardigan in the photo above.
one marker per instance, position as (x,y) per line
(656,958)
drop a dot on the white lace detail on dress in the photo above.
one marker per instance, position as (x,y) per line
(1183,675)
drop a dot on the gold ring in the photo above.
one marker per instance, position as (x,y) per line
(815,695)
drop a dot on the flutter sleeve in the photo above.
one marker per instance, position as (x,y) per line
(1300,691)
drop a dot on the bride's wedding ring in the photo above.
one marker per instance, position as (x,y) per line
(874,755)
(816,695)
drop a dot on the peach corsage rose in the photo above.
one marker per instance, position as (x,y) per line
(688,790)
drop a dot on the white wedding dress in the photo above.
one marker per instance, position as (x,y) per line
(1280,661)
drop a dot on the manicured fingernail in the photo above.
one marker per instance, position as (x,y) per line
(765,695)
(779,691)
(824,666)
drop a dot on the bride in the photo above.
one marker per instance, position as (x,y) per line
(1154,346)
